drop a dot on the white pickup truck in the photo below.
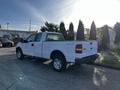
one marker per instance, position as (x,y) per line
(50,45)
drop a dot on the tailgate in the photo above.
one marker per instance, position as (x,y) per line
(88,48)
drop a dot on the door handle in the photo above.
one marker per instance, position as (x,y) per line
(32,44)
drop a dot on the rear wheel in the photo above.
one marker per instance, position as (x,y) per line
(19,54)
(59,62)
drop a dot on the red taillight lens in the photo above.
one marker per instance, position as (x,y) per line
(78,48)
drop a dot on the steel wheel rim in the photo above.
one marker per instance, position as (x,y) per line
(57,64)
(18,54)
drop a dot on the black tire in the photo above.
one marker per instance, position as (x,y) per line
(19,54)
(10,45)
(58,62)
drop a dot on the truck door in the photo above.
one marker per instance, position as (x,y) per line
(38,45)
(28,45)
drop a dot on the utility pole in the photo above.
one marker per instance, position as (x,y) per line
(7,25)
(30,25)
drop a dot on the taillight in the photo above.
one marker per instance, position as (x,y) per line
(78,48)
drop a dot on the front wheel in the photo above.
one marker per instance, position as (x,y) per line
(19,54)
(59,62)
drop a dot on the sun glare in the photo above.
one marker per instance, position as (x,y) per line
(101,11)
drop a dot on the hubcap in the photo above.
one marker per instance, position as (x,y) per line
(57,64)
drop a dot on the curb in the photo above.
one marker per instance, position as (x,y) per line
(106,66)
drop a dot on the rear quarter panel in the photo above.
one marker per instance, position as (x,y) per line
(89,48)
(66,47)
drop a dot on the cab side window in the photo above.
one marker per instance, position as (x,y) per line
(31,38)
(38,37)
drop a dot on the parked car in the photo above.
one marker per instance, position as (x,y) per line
(53,46)
(6,42)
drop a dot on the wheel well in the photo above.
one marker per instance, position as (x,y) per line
(18,48)
(56,52)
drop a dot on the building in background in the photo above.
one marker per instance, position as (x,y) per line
(15,33)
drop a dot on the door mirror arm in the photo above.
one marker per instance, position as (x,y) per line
(24,41)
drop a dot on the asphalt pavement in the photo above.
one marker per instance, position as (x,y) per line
(32,74)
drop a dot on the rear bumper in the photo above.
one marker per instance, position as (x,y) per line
(88,59)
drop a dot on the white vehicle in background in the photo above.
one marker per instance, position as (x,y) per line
(53,46)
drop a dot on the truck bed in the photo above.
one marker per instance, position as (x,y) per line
(68,49)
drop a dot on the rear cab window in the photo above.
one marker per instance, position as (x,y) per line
(54,37)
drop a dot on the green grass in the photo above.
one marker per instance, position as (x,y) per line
(109,58)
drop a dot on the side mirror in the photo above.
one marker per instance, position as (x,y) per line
(25,41)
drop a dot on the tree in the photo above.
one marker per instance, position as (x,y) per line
(63,30)
(93,31)
(80,31)
(44,29)
(49,27)
(70,35)
(117,30)
(105,37)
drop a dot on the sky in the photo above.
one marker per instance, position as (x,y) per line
(19,13)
